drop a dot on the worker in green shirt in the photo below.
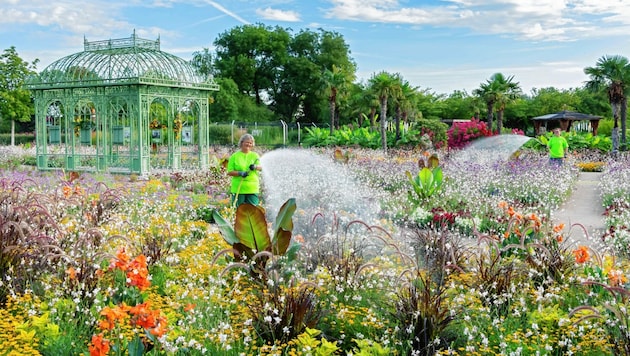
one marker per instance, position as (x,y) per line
(558,148)
(243,166)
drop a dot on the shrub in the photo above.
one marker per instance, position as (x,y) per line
(462,133)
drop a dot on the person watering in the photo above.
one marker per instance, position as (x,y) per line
(558,148)
(243,166)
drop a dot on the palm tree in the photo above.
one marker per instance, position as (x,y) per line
(498,90)
(612,73)
(385,86)
(404,103)
(332,82)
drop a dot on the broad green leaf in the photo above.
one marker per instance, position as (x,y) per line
(225,228)
(250,227)
(284,227)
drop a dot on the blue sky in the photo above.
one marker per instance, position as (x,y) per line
(437,45)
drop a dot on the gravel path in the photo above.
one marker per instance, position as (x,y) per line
(583,212)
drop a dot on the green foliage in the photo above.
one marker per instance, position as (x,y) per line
(428,180)
(576,141)
(250,234)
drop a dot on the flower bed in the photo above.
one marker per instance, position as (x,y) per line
(105,265)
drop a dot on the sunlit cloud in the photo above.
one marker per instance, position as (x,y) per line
(278,15)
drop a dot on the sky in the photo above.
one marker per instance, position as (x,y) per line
(437,45)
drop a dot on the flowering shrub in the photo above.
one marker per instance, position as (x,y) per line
(462,133)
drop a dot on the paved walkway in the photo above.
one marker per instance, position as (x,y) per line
(583,212)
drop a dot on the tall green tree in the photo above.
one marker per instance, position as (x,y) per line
(496,92)
(404,103)
(385,86)
(252,56)
(202,62)
(15,99)
(612,74)
(332,81)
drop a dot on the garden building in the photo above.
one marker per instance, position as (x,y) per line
(121,105)
(564,119)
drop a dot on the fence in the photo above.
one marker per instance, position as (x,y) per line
(272,134)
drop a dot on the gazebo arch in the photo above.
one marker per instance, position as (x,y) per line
(95,110)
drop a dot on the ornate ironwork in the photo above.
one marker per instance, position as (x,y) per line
(94,109)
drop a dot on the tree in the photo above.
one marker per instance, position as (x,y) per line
(612,74)
(333,81)
(385,86)
(15,99)
(497,91)
(202,62)
(252,56)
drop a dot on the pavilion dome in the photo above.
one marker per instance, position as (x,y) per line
(120,61)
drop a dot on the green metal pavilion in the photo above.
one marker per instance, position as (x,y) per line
(124,106)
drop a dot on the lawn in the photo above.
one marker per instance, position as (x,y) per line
(464,261)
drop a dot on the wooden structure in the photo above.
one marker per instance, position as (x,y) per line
(565,119)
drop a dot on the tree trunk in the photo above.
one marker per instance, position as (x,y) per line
(623,114)
(332,115)
(490,108)
(384,123)
(373,119)
(398,114)
(615,130)
(500,120)
(12,132)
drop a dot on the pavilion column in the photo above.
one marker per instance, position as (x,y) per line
(594,125)
(537,127)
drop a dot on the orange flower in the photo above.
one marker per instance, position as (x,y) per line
(112,315)
(558,228)
(189,307)
(559,238)
(99,346)
(138,273)
(616,277)
(143,316)
(67,191)
(160,329)
(581,254)
(72,273)
(121,261)
(503,204)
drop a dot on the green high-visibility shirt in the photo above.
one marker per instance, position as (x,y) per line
(557,145)
(240,161)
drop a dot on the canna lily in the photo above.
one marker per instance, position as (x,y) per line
(581,254)
(616,277)
(121,261)
(99,346)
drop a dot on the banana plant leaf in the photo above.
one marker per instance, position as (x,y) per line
(250,227)
(225,228)
(283,227)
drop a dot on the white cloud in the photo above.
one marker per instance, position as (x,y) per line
(533,20)
(278,15)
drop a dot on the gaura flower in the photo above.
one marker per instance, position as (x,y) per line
(581,254)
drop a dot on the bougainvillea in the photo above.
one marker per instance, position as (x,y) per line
(462,133)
